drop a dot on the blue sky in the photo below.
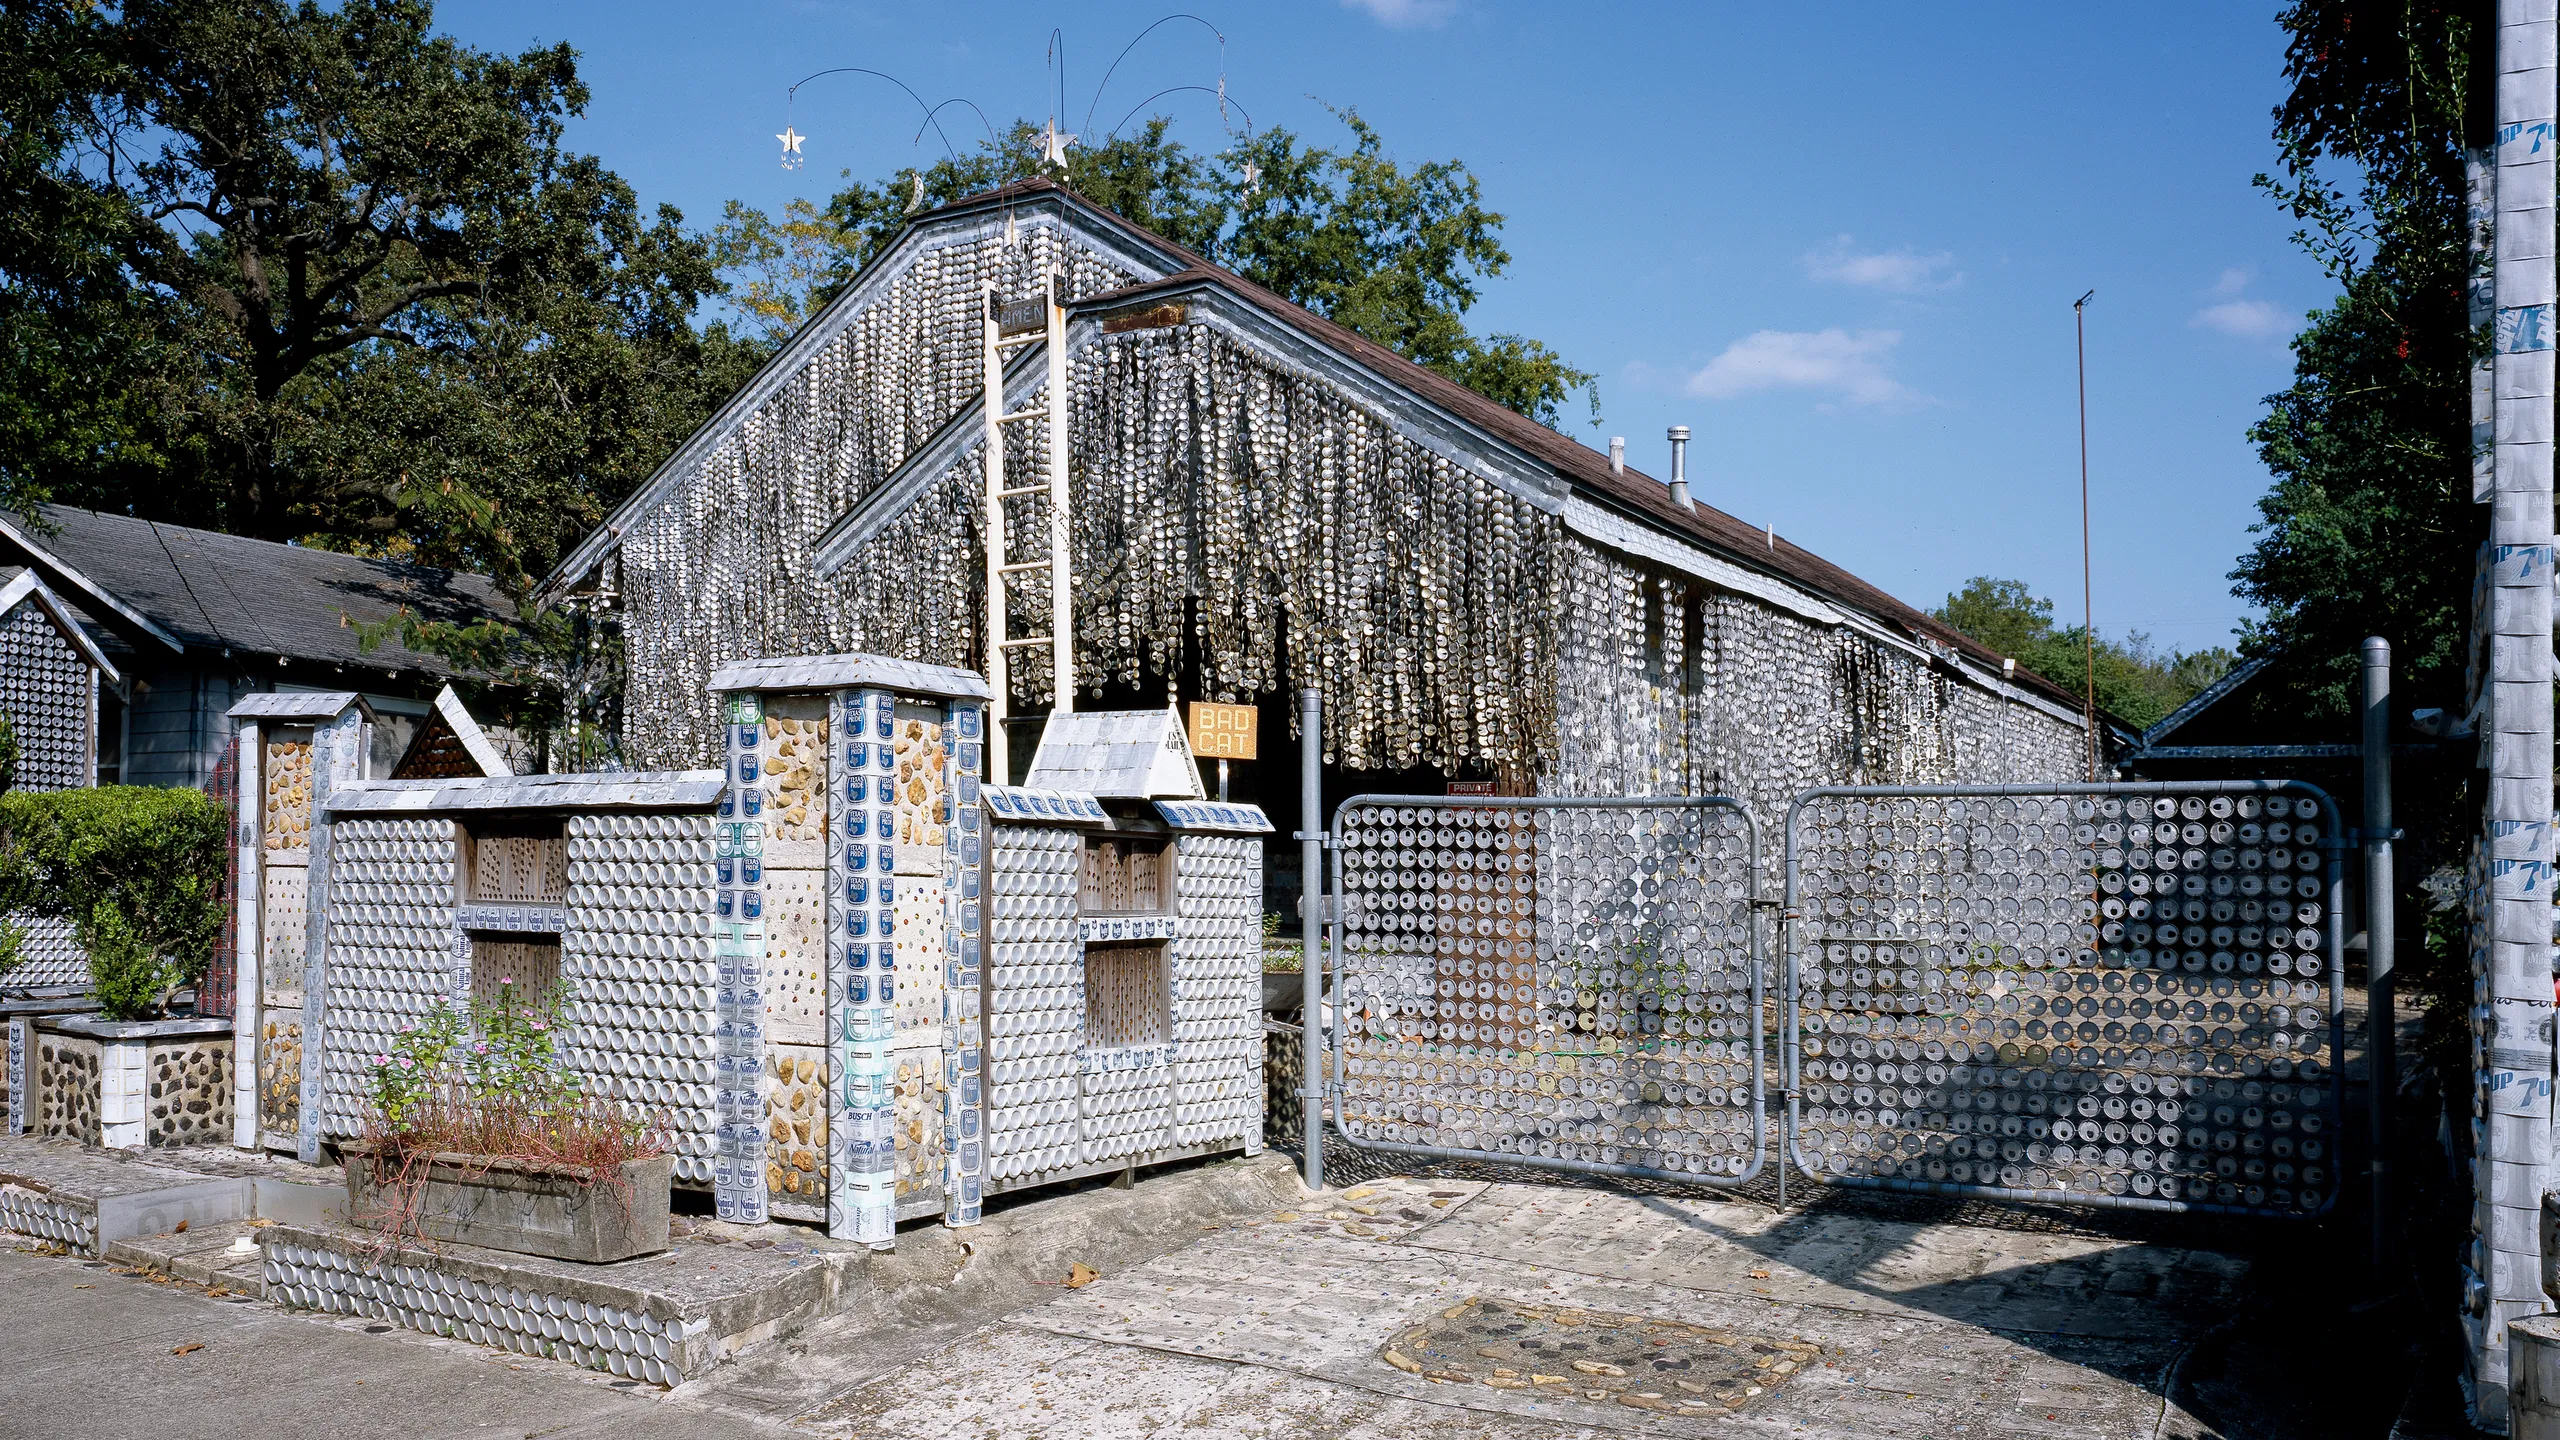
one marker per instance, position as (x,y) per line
(1840,242)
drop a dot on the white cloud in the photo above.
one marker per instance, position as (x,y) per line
(1405,14)
(1849,366)
(2243,320)
(2237,316)
(1905,271)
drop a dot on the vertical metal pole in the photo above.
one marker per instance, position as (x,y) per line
(2379,921)
(1222,779)
(1311,924)
(999,686)
(2088,601)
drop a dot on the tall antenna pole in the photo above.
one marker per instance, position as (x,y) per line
(2088,604)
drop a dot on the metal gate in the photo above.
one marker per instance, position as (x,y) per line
(2117,995)
(1563,982)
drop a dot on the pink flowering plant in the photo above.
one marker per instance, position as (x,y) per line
(485,1081)
(495,1054)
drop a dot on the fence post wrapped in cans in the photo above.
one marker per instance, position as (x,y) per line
(1565,983)
(2119,995)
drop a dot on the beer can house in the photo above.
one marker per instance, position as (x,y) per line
(1034,441)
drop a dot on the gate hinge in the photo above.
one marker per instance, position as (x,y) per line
(1321,837)
(1760,904)
(1328,909)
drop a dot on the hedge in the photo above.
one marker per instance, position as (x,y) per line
(136,869)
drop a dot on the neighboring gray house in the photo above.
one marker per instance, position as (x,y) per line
(186,622)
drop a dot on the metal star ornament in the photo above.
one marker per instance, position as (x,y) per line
(915,200)
(790,139)
(1053,145)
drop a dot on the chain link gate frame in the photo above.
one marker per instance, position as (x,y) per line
(1506,991)
(2034,901)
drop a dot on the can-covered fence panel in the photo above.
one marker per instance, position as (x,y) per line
(1571,983)
(2124,995)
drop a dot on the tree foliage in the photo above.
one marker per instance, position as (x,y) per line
(2136,681)
(330,276)
(2369,527)
(1392,253)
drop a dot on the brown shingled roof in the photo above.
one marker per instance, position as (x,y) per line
(1634,491)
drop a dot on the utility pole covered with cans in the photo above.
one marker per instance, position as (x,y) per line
(2511,185)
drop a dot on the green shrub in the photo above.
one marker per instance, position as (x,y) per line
(137,870)
(8,758)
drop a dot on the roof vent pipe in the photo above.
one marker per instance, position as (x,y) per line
(1617,454)
(1679,435)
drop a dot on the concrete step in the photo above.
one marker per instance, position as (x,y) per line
(198,1254)
(59,1192)
(662,1318)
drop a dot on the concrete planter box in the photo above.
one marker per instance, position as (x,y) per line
(524,1209)
(124,1085)
(1284,991)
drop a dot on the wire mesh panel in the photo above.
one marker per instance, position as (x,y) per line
(2120,995)
(1569,983)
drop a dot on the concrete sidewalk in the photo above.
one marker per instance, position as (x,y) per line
(1415,1305)
(95,1352)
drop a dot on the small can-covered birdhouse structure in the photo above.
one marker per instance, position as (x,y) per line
(1124,957)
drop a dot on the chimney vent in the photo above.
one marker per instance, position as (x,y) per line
(1679,435)
(1617,454)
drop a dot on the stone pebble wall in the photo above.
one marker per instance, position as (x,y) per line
(280,1072)
(69,1071)
(188,1094)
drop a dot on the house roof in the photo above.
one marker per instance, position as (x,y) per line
(1588,469)
(182,591)
(1632,494)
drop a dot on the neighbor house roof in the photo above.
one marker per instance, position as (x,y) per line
(173,590)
